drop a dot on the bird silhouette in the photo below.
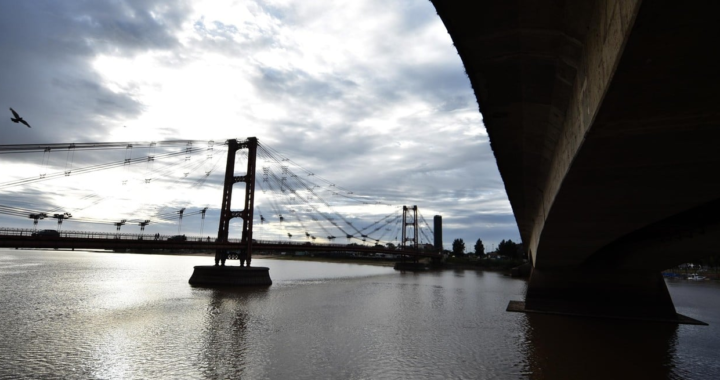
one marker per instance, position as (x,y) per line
(17,118)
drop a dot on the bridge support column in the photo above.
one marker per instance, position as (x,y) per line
(409,243)
(221,275)
(619,295)
(246,214)
(207,275)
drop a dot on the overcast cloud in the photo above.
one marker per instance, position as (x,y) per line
(369,94)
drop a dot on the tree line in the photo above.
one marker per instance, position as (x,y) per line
(511,250)
(506,248)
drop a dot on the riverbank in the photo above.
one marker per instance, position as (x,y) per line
(452,265)
(466,263)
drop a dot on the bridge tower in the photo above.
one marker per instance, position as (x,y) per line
(410,212)
(438,240)
(247,213)
(235,276)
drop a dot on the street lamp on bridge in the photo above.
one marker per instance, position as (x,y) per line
(142,226)
(36,217)
(202,221)
(61,217)
(182,210)
(120,224)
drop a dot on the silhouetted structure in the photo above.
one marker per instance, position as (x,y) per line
(437,229)
(602,116)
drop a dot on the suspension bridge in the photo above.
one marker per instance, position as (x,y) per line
(102,187)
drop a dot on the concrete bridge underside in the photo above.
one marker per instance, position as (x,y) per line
(603,118)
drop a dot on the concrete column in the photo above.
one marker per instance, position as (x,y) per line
(622,295)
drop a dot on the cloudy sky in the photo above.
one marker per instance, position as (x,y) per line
(370,95)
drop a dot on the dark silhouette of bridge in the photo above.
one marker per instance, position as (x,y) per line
(27,238)
(289,185)
(602,116)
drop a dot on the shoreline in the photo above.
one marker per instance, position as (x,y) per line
(339,260)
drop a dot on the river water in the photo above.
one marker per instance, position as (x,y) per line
(91,315)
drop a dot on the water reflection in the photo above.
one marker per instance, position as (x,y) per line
(225,342)
(585,348)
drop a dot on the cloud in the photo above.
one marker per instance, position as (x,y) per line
(369,94)
(274,84)
(47,71)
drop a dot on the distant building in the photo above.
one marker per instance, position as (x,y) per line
(437,221)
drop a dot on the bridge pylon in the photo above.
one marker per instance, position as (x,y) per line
(411,212)
(410,243)
(226,214)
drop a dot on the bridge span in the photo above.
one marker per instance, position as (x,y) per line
(28,238)
(602,116)
(297,198)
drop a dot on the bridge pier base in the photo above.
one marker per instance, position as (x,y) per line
(633,295)
(208,275)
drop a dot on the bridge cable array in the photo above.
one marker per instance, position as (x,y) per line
(302,202)
(151,172)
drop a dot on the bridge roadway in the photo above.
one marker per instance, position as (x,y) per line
(24,238)
(602,116)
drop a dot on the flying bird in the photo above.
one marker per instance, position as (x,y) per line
(17,118)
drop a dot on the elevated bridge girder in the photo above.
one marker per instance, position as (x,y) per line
(602,118)
(540,70)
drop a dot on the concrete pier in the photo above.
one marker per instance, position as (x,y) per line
(604,294)
(208,275)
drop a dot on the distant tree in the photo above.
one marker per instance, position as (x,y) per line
(479,248)
(509,249)
(712,261)
(390,245)
(458,248)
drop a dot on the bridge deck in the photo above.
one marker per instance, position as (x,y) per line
(24,238)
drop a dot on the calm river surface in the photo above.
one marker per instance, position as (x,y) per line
(88,315)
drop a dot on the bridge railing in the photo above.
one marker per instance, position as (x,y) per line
(114,236)
(9,231)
